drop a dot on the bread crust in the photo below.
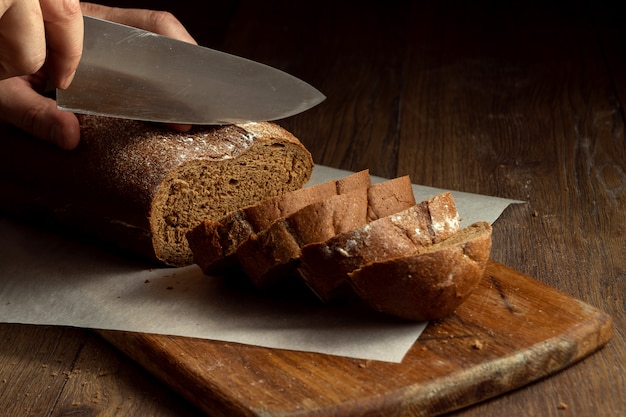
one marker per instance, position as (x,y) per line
(278,248)
(432,282)
(141,187)
(271,255)
(324,266)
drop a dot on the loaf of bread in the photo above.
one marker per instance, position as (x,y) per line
(372,241)
(325,266)
(273,254)
(214,243)
(143,187)
(430,283)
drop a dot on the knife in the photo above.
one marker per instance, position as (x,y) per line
(130,73)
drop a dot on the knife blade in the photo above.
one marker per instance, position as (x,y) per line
(130,73)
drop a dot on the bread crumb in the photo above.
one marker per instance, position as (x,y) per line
(562,406)
(477,344)
(146,281)
(535,213)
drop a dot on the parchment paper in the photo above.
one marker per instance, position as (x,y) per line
(49,279)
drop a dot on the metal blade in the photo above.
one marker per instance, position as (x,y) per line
(130,73)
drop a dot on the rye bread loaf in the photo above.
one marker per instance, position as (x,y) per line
(143,187)
(430,283)
(325,266)
(404,259)
(273,254)
(214,243)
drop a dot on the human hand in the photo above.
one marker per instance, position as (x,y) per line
(21,102)
(29,27)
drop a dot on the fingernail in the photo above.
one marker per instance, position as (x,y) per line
(67,81)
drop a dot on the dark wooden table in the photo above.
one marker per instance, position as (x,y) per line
(523,101)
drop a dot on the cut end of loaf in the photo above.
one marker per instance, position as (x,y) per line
(200,189)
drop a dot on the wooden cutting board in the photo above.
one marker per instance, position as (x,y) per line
(511,331)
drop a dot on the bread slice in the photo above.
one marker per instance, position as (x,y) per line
(324,266)
(430,283)
(143,187)
(215,242)
(271,255)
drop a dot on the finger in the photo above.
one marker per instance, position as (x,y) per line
(22,38)
(26,109)
(163,23)
(64,34)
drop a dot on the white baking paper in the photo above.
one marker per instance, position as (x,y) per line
(48,279)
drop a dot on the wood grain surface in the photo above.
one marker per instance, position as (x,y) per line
(523,100)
